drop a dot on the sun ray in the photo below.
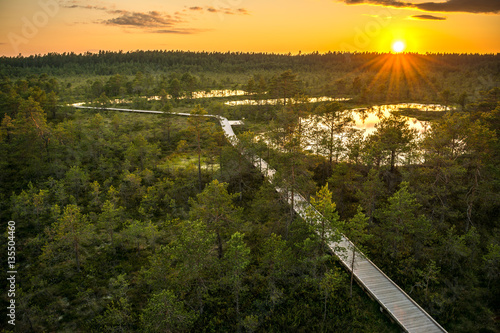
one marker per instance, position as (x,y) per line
(417,65)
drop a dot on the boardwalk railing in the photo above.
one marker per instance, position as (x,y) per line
(401,307)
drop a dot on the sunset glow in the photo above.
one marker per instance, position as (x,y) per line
(42,26)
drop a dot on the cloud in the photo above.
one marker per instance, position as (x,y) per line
(428,17)
(151,22)
(470,6)
(155,21)
(467,6)
(388,3)
(151,19)
(180,31)
(118,12)
(76,5)
(221,10)
(95,7)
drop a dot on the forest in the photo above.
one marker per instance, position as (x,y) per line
(129,222)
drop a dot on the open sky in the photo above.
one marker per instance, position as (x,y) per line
(281,26)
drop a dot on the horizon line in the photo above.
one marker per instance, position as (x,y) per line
(299,53)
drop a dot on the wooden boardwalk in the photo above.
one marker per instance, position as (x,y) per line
(392,299)
(401,307)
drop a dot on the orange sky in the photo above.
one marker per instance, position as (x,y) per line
(41,26)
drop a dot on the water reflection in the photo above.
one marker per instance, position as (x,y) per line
(206,94)
(218,93)
(277,101)
(365,119)
(221,93)
(194,95)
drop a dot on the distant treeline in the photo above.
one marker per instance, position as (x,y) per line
(108,63)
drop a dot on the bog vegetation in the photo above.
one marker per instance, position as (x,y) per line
(152,223)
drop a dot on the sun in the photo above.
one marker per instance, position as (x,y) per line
(398,46)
